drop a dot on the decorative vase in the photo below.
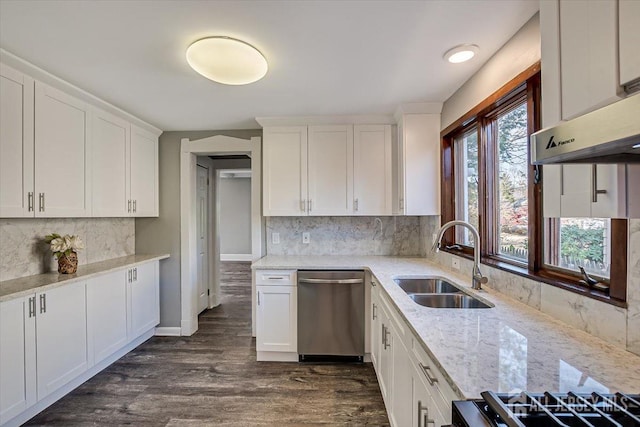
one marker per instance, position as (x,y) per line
(68,264)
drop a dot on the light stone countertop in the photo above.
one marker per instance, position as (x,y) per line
(507,348)
(16,288)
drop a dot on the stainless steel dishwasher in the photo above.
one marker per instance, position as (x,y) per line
(330,314)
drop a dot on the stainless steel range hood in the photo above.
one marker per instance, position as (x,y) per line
(607,135)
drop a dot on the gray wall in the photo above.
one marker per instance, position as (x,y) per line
(162,234)
(235,215)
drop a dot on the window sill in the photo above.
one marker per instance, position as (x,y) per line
(563,282)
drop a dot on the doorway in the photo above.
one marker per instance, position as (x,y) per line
(218,145)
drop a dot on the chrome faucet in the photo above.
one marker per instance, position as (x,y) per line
(477,279)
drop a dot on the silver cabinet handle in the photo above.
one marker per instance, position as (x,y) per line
(130,272)
(40,202)
(594,184)
(129,206)
(135,207)
(303,204)
(135,273)
(309,204)
(32,307)
(401,203)
(374,311)
(355,205)
(43,303)
(30,199)
(275,278)
(385,337)
(427,373)
(423,420)
(258,297)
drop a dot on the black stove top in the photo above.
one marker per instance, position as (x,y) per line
(549,409)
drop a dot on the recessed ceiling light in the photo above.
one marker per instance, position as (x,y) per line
(226,60)
(461,53)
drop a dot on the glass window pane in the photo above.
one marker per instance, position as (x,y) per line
(466,158)
(571,243)
(512,203)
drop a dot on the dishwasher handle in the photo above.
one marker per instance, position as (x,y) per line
(332,281)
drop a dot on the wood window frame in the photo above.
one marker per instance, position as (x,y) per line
(525,86)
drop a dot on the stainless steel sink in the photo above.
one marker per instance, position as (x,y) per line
(426,285)
(459,300)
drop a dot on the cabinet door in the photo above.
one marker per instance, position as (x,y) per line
(629,36)
(550,63)
(575,197)
(276,323)
(109,165)
(400,381)
(372,170)
(385,361)
(375,327)
(17,357)
(144,298)
(16,144)
(284,191)
(330,170)
(421,163)
(588,55)
(106,315)
(61,332)
(424,411)
(61,153)
(144,172)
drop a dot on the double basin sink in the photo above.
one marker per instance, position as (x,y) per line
(436,292)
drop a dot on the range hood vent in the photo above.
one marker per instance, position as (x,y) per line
(608,135)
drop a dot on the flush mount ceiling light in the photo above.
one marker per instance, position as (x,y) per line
(461,53)
(226,60)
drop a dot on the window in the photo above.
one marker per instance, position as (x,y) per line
(488,182)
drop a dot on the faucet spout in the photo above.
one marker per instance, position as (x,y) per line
(477,278)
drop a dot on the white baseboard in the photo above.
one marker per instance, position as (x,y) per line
(236,257)
(188,327)
(164,331)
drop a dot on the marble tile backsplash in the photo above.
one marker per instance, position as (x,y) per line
(399,236)
(24,253)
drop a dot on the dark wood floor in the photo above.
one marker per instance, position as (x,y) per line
(212,379)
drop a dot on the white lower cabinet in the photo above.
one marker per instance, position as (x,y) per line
(276,316)
(375,329)
(52,339)
(106,315)
(61,336)
(17,356)
(414,390)
(144,296)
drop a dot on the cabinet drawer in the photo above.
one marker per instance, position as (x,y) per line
(441,391)
(276,277)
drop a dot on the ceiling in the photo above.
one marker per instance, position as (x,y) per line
(325,57)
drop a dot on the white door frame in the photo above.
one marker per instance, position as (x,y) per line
(189,150)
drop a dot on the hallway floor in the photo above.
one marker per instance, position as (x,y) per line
(212,379)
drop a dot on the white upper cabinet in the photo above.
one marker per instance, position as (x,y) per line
(61,157)
(372,170)
(585,191)
(285,171)
(16,144)
(144,173)
(109,165)
(588,55)
(417,163)
(629,38)
(61,154)
(330,170)
(327,170)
